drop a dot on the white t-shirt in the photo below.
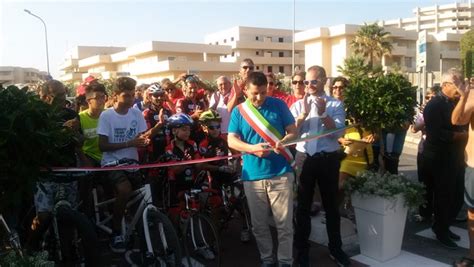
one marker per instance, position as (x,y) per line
(119,129)
(221,108)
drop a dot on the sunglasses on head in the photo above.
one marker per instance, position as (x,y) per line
(214,127)
(297,82)
(312,82)
(248,67)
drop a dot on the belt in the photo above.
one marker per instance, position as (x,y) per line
(322,154)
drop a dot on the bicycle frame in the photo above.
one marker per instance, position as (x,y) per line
(143,194)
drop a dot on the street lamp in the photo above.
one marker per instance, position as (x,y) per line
(45,35)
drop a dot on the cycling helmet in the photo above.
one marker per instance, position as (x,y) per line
(155,89)
(210,115)
(178,120)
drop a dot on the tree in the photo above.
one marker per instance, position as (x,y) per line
(371,42)
(467,48)
(355,67)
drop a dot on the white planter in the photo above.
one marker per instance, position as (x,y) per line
(380,225)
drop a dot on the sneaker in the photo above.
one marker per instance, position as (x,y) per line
(206,253)
(245,236)
(117,244)
(340,257)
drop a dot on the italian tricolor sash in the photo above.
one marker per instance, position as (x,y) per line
(253,117)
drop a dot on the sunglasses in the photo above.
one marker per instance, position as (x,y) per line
(213,127)
(158,95)
(297,82)
(312,82)
(248,67)
(337,87)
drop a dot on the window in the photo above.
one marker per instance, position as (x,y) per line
(225,56)
(258,68)
(256,38)
(281,54)
(281,69)
(270,69)
(280,39)
(231,39)
(257,53)
(225,41)
(233,53)
(217,43)
(171,58)
(210,43)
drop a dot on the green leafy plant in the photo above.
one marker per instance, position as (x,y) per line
(12,259)
(386,186)
(30,139)
(356,67)
(380,102)
(467,48)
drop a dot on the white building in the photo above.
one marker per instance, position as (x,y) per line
(270,49)
(16,75)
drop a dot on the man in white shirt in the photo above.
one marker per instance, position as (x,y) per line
(220,99)
(317,112)
(120,133)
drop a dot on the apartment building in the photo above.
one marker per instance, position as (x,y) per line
(445,24)
(270,49)
(16,75)
(456,18)
(149,62)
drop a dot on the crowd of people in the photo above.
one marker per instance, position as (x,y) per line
(183,119)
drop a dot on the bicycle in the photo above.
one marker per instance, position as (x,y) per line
(200,237)
(81,246)
(10,240)
(161,241)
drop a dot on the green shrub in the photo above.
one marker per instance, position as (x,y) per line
(30,138)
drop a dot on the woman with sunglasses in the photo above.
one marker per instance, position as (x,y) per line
(297,86)
(272,89)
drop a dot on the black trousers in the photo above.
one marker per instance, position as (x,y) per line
(446,170)
(425,210)
(323,169)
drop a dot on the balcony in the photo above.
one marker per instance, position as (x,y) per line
(71,77)
(266,45)
(451,54)
(398,50)
(94,60)
(69,64)
(175,65)
(277,60)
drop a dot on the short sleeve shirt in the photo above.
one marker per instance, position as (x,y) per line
(119,129)
(279,116)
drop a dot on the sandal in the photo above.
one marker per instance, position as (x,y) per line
(465,262)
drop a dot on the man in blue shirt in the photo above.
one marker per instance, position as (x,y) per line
(268,176)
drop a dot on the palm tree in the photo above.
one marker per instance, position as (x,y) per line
(371,41)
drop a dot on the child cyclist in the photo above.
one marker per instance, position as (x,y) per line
(181,148)
(214,145)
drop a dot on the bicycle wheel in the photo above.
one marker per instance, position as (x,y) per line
(164,240)
(201,241)
(82,247)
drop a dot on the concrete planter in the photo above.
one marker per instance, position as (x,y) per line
(380,225)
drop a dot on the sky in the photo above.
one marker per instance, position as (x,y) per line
(124,23)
